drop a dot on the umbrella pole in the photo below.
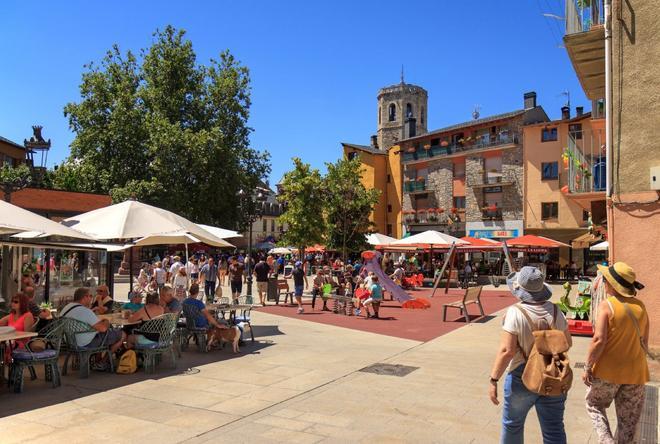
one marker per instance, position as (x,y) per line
(187,259)
(442,271)
(130,270)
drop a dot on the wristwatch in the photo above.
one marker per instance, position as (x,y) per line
(493,380)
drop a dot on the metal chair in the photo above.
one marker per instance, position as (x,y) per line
(191,313)
(73,328)
(164,326)
(47,353)
(244,317)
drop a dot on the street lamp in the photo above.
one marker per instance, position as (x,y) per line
(252,210)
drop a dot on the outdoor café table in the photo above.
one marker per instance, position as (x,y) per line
(231,308)
(6,338)
(116,319)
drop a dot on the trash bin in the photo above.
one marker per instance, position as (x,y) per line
(273,293)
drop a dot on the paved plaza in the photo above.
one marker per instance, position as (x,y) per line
(300,382)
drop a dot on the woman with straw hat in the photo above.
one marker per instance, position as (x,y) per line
(616,368)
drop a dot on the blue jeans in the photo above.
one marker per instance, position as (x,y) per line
(209,290)
(517,403)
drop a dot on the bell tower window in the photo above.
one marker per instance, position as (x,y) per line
(409,112)
(392,113)
(379,115)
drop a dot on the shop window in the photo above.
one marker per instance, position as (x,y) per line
(549,210)
(549,170)
(548,134)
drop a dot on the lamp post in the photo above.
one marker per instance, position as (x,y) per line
(250,207)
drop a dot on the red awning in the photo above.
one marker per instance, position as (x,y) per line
(315,249)
(530,240)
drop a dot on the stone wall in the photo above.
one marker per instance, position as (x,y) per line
(389,133)
(474,200)
(512,195)
(440,181)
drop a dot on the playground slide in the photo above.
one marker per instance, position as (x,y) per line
(373,264)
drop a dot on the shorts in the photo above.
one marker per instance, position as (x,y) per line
(298,290)
(262,287)
(236,287)
(371,301)
(111,336)
(194,276)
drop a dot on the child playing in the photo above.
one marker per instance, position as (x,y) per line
(374,299)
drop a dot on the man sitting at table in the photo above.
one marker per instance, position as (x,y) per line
(105,334)
(204,319)
(102,303)
(168,301)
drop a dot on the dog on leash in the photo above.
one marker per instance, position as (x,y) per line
(222,335)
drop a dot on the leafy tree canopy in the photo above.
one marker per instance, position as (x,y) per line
(13,178)
(166,130)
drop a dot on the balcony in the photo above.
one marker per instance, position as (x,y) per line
(490,179)
(585,44)
(414,186)
(490,213)
(467,144)
(584,160)
(422,217)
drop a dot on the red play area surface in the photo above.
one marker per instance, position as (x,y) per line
(418,325)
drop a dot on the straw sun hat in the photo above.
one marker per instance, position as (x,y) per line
(622,277)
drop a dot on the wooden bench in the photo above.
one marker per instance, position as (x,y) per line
(283,287)
(472,296)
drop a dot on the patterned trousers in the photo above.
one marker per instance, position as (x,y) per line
(628,401)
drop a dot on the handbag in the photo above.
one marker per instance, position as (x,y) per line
(639,332)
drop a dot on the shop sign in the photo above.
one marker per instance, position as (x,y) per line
(489,234)
(493,189)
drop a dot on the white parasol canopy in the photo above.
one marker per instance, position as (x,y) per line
(379,239)
(602,246)
(15,219)
(432,238)
(178,238)
(222,233)
(280,250)
(136,220)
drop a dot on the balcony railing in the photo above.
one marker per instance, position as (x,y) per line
(468,144)
(582,15)
(414,186)
(491,214)
(586,162)
(434,219)
(490,178)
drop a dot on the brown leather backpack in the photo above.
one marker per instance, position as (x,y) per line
(547,369)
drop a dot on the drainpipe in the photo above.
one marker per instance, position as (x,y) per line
(608,129)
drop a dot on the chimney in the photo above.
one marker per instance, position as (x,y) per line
(579,110)
(374,141)
(411,127)
(530,100)
(565,113)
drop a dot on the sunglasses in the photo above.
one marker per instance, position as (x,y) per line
(15,301)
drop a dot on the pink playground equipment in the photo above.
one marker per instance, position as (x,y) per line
(372,263)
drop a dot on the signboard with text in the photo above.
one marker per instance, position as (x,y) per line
(489,234)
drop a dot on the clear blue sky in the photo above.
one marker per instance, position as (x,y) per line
(316,67)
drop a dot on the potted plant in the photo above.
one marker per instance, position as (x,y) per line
(427,147)
(444,143)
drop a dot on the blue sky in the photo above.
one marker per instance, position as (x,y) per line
(316,66)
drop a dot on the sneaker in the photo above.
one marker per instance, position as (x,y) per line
(301,310)
(357,312)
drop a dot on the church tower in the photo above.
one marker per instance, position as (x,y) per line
(402,111)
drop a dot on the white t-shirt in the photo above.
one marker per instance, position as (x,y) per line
(180,281)
(77,311)
(175,268)
(192,267)
(516,324)
(160,275)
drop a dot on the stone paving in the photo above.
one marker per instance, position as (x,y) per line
(301,382)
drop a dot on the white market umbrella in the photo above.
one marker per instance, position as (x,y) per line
(602,246)
(15,220)
(280,250)
(379,239)
(222,233)
(432,238)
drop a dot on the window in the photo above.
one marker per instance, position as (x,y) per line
(352,155)
(392,114)
(549,210)
(264,225)
(389,178)
(549,170)
(389,208)
(409,112)
(548,134)
(389,229)
(421,116)
(272,225)
(459,201)
(575,130)
(379,114)
(434,142)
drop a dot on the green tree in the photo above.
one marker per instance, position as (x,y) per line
(348,206)
(166,130)
(304,198)
(13,179)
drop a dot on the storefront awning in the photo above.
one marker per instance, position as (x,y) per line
(585,240)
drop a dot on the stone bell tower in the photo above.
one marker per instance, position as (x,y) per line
(402,111)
